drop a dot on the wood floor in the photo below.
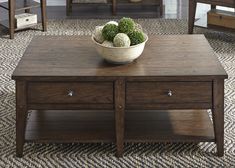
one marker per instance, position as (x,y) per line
(175,9)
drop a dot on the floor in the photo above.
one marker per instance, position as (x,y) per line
(175,9)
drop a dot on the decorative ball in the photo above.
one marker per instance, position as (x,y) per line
(112,22)
(126,25)
(109,31)
(121,40)
(98,34)
(107,43)
(136,37)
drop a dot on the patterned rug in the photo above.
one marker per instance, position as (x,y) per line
(103,155)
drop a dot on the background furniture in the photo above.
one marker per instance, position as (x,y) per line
(116,3)
(69,4)
(213,3)
(141,3)
(14,6)
(85,99)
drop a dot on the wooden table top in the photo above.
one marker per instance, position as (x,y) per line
(163,56)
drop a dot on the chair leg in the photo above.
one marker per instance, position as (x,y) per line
(191,16)
(11,4)
(43,15)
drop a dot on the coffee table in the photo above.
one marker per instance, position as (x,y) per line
(65,92)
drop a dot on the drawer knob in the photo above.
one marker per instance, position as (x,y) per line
(70,93)
(169,93)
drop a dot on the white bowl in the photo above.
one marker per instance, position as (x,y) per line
(120,55)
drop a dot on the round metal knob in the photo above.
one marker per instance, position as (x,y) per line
(70,93)
(169,93)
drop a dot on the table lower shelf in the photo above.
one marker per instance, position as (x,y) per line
(99,126)
(21,5)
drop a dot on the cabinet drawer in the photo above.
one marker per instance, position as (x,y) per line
(70,92)
(221,18)
(168,92)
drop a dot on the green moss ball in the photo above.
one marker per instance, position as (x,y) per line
(126,25)
(136,37)
(98,34)
(109,31)
(121,40)
(107,43)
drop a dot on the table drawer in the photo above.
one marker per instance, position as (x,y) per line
(168,92)
(70,92)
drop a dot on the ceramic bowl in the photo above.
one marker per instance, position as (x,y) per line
(120,55)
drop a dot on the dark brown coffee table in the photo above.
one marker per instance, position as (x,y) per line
(73,95)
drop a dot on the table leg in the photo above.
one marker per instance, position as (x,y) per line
(161,8)
(119,114)
(114,7)
(11,11)
(68,7)
(21,116)
(191,16)
(218,114)
(213,6)
(44,15)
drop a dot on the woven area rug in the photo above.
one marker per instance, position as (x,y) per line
(103,155)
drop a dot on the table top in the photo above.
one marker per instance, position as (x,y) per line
(163,56)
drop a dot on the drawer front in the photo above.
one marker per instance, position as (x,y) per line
(221,20)
(70,92)
(168,92)
(25,20)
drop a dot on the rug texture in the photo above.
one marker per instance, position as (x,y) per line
(103,155)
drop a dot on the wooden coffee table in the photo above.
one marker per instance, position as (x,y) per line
(65,92)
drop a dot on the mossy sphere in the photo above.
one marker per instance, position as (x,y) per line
(107,43)
(109,31)
(112,22)
(121,40)
(98,34)
(136,37)
(126,25)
